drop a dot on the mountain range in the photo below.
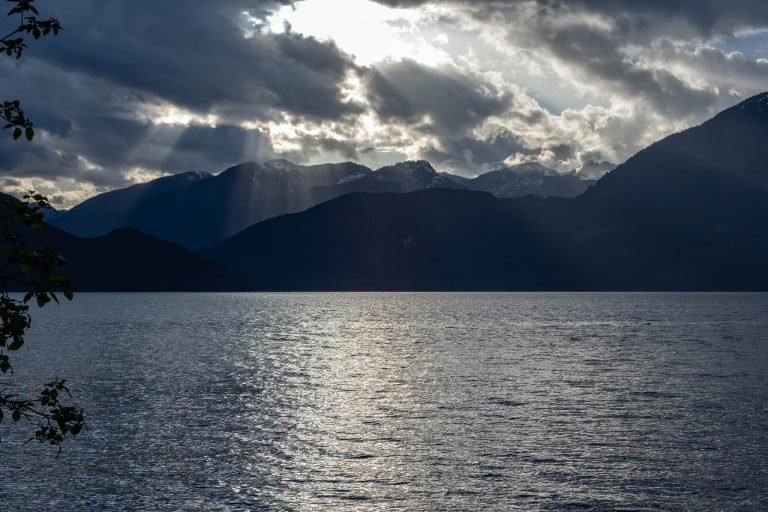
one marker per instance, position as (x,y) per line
(689,212)
(127,260)
(526,179)
(198,210)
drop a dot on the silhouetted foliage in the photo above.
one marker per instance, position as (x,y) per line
(13,45)
(32,268)
(35,269)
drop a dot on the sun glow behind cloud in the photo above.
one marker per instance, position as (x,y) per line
(368,31)
(172,115)
(469,86)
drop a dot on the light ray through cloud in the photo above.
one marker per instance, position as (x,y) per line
(367,30)
(469,86)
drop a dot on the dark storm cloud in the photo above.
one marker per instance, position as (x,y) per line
(48,162)
(562,151)
(604,52)
(192,53)
(347,149)
(446,103)
(452,100)
(99,91)
(94,90)
(112,146)
(707,17)
(597,54)
(320,149)
(173,148)
(472,153)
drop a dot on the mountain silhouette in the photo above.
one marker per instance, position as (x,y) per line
(526,179)
(401,177)
(198,213)
(689,212)
(128,260)
(119,208)
(198,210)
(433,239)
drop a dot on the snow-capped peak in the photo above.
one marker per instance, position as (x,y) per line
(531,168)
(280,164)
(417,167)
(194,175)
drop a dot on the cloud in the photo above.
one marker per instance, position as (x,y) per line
(704,17)
(475,153)
(165,86)
(442,107)
(107,148)
(134,89)
(641,70)
(434,99)
(617,43)
(193,54)
(597,54)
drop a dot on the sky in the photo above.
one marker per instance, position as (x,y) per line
(135,89)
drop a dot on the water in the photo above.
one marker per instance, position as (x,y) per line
(401,402)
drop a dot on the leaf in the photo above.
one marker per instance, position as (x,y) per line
(16,133)
(43,299)
(29,133)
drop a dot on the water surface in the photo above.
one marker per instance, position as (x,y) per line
(401,402)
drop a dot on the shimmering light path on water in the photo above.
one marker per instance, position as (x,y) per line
(402,402)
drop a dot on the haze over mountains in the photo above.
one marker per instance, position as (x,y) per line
(689,212)
(198,210)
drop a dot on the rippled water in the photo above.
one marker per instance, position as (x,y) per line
(401,402)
